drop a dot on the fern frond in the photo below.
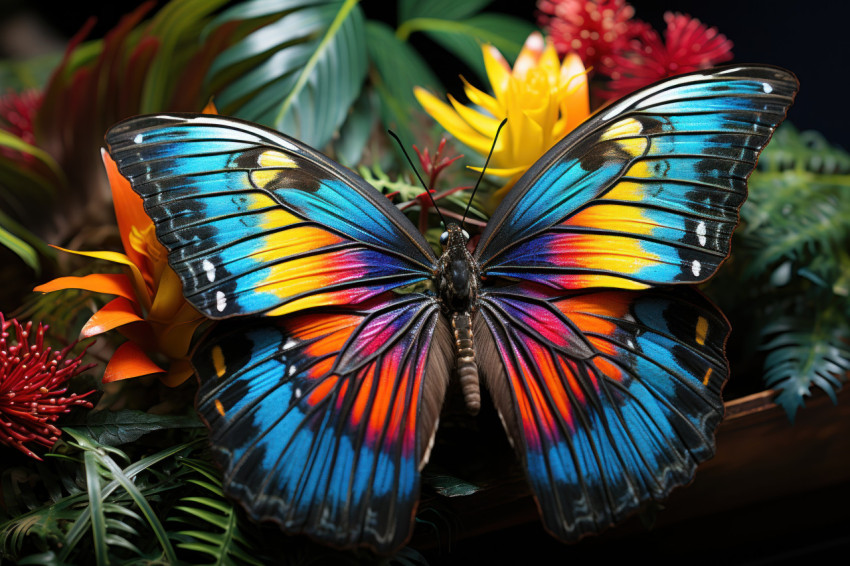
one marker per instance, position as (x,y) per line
(802,353)
(379,179)
(216,531)
(132,487)
(803,151)
(793,215)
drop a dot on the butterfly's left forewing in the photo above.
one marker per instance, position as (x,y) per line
(258,223)
(322,420)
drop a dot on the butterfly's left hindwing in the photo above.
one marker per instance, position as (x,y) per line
(611,397)
(258,223)
(318,419)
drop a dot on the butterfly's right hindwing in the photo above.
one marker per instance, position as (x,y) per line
(611,397)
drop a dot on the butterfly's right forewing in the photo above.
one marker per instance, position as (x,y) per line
(647,191)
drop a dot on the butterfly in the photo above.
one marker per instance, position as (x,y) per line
(340,328)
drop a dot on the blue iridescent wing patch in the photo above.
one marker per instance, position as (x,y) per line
(613,396)
(644,193)
(258,223)
(315,418)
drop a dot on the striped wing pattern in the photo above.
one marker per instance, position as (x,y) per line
(647,191)
(258,223)
(315,417)
(614,395)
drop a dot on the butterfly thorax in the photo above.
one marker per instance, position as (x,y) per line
(457,272)
(458,288)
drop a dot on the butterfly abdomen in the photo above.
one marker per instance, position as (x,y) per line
(458,289)
(467,368)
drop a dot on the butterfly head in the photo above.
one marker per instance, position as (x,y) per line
(453,235)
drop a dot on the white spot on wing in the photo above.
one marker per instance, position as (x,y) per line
(767,88)
(701,233)
(138,138)
(696,267)
(220,301)
(209,268)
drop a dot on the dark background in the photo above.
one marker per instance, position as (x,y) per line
(809,38)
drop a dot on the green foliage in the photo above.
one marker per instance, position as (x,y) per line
(460,29)
(90,496)
(213,527)
(114,428)
(449,486)
(799,357)
(803,151)
(164,508)
(787,285)
(29,179)
(398,68)
(176,28)
(298,72)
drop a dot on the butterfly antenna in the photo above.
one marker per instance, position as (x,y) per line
(483,169)
(418,176)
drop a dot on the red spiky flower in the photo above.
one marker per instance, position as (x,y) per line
(594,29)
(17,112)
(33,385)
(689,45)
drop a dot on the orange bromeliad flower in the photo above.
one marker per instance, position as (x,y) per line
(149,308)
(542,98)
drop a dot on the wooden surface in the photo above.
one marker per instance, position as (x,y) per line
(774,492)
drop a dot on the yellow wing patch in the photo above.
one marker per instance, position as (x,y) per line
(702,330)
(273,158)
(707,377)
(621,129)
(218,361)
(272,166)
(625,134)
(627,219)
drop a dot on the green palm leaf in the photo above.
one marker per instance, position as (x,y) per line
(461,31)
(398,68)
(298,72)
(176,28)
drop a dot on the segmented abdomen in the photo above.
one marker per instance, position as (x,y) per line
(467,368)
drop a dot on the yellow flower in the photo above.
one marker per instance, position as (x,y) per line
(542,98)
(149,308)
